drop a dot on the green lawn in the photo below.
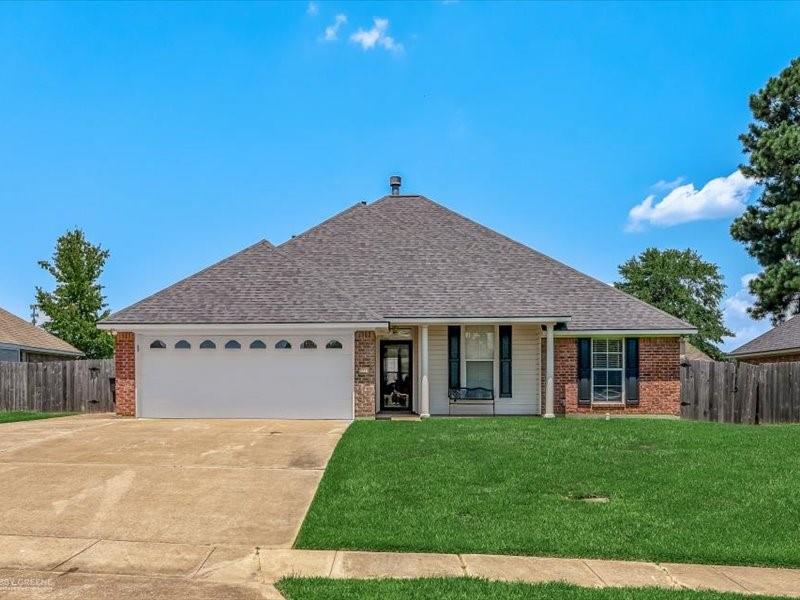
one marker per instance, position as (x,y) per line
(474,589)
(29,415)
(679,491)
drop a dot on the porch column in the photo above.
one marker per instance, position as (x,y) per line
(549,374)
(424,400)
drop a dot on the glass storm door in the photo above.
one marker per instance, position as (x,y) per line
(396,375)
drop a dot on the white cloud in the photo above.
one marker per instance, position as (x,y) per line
(663,185)
(332,31)
(734,309)
(312,10)
(376,37)
(720,197)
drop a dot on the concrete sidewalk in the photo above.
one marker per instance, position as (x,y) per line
(66,568)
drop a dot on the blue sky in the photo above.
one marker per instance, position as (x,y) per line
(176,134)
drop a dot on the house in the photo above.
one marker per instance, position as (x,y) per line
(779,344)
(400,305)
(22,342)
(691,352)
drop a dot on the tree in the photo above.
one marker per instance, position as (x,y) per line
(681,283)
(770,229)
(77,303)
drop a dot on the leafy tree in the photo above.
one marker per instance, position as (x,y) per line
(681,283)
(77,303)
(771,229)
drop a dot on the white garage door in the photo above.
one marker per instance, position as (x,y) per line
(305,376)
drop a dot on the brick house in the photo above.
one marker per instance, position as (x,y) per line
(400,305)
(779,344)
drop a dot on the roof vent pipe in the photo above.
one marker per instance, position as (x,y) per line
(394,183)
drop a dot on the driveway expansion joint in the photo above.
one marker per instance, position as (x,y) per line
(78,553)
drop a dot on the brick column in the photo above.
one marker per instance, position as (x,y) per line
(659,376)
(364,376)
(125,365)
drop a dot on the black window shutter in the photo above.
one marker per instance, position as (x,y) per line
(454,356)
(584,371)
(505,361)
(632,371)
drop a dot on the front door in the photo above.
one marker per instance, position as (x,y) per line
(396,375)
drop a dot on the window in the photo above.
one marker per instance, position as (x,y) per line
(283,345)
(308,345)
(158,345)
(505,361)
(479,356)
(257,345)
(232,345)
(207,345)
(607,370)
(334,345)
(182,345)
(9,354)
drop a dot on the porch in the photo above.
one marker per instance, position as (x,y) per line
(465,367)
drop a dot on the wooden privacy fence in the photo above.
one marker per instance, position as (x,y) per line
(732,392)
(68,386)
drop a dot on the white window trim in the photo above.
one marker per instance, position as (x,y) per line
(495,356)
(622,400)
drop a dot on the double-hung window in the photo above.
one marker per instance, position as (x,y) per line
(479,356)
(607,369)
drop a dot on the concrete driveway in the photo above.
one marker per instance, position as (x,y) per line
(102,495)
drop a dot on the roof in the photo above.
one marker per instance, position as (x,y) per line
(260,284)
(691,352)
(18,332)
(785,336)
(401,257)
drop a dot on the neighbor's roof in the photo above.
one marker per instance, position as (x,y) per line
(18,332)
(691,352)
(399,257)
(785,336)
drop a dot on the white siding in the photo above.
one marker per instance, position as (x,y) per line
(437,369)
(525,370)
(525,384)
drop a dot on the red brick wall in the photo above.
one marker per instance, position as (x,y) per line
(125,364)
(659,378)
(365,376)
(565,380)
(777,358)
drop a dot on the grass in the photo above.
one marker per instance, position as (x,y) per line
(475,589)
(679,491)
(29,415)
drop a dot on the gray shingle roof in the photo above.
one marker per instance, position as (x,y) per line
(785,336)
(260,284)
(399,257)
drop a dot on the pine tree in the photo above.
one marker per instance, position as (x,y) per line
(770,229)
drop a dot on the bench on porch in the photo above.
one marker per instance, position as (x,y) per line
(474,396)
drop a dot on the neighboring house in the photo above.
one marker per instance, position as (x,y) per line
(691,352)
(22,342)
(398,305)
(779,344)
